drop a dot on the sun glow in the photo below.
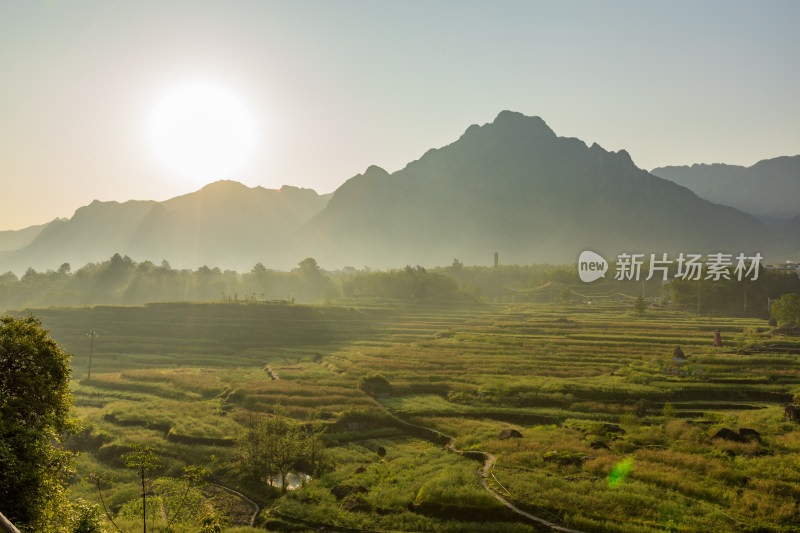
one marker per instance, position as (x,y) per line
(202,131)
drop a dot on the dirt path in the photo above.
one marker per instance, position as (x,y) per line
(253,504)
(486,471)
(272,374)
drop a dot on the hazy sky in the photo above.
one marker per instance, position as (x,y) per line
(335,86)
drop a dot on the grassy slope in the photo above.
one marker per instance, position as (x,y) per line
(554,373)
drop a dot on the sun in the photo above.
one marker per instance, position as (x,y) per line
(202,131)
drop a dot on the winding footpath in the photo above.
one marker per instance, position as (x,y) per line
(255,506)
(486,471)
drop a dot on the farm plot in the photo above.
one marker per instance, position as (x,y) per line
(614,432)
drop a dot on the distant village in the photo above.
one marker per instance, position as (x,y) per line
(788,266)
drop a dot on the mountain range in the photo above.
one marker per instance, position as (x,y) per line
(511,186)
(224,224)
(768,189)
(514,187)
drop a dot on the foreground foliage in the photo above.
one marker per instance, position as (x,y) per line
(35,408)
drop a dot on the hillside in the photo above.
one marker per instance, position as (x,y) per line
(15,239)
(227,224)
(514,187)
(224,223)
(770,188)
(93,233)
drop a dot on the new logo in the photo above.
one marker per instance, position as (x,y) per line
(591,266)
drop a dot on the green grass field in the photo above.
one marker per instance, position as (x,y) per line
(615,436)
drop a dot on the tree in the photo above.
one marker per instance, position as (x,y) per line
(271,449)
(314,444)
(171,503)
(29,276)
(35,418)
(143,459)
(98,480)
(374,384)
(9,277)
(176,501)
(786,310)
(181,499)
(283,436)
(639,305)
(313,280)
(309,269)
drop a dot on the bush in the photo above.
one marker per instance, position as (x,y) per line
(374,384)
(87,440)
(786,310)
(563,457)
(86,518)
(365,418)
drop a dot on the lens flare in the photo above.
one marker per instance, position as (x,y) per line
(620,472)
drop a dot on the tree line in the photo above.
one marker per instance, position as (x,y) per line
(732,297)
(122,281)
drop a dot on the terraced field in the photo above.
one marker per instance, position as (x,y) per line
(616,435)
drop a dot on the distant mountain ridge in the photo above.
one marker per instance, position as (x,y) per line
(515,187)
(225,223)
(15,239)
(769,188)
(511,186)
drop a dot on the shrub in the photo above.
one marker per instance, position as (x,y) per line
(786,310)
(374,384)
(563,457)
(86,518)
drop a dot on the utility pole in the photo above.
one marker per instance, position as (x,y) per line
(91,334)
(698,298)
